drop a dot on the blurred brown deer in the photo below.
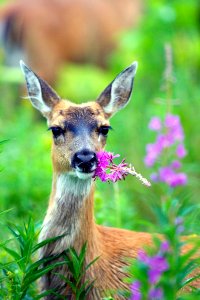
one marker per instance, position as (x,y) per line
(47,33)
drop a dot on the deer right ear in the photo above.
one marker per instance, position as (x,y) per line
(41,95)
(117,94)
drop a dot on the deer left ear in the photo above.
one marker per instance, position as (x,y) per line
(117,94)
(41,95)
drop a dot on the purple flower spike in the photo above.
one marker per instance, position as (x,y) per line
(179,225)
(143,257)
(180,151)
(176,164)
(164,247)
(155,294)
(155,265)
(172,121)
(169,143)
(154,177)
(166,174)
(164,141)
(135,290)
(155,124)
(178,179)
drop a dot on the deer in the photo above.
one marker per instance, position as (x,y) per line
(68,30)
(79,131)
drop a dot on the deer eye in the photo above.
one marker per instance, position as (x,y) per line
(104,130)
(57,131)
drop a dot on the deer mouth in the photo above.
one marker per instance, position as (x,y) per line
(83,175)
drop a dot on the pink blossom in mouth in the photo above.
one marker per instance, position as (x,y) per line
(108,171)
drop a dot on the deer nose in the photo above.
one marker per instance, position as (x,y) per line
(85,161)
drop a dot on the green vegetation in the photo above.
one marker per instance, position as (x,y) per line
(19,274)
(25,178)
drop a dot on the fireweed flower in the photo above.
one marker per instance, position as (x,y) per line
(155,124)
(179,225)
(108,171)
(135,290)
(170,137)
(156,293)
(156,265)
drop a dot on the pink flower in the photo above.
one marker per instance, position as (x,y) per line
(176,164)
(165,141)
(118,173)
(155,124)
(156,264)
(178,134)
(154,177)
(166,174)
(169,143)
(172,121)
(164,247)
(105,158)
(135,290)
(108,171)
(153,152)
(178,179)
(143,257)
(156,293)
(179,225)
(180,151)
(170,177)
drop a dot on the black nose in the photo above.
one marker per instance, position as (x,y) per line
(85,161)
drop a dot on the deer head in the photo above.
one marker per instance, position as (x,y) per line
(79,131)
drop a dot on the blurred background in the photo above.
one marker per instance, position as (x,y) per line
(79,46)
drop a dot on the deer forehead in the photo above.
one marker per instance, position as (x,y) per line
(66,113)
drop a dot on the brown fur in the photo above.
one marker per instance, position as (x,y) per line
(53,31)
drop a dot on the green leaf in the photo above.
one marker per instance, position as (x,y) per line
(5,211)
(34,266)
(71,284)
(92,262)
(15,255)
(84,290)
(189,280)
(29,279)
(17,237)
(50,292)
(82,254)
(47,241)
(74,259)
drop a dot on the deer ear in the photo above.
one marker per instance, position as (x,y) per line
(41,95)
(117,94)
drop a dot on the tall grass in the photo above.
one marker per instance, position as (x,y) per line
(21,268)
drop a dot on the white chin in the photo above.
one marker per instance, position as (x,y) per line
(83,176)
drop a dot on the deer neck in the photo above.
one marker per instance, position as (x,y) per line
(70,213)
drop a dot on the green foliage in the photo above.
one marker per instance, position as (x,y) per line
(183,265)
(26,178)
(25,162)
(20,274)
(76,264)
